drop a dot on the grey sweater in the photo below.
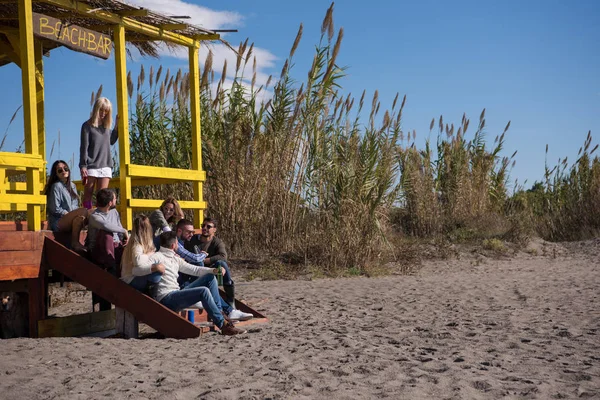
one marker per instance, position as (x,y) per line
(94,151)
(60,202)
(109,221)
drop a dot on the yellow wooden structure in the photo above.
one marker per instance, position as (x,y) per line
(126,23)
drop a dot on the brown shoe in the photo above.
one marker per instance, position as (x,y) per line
(229,330)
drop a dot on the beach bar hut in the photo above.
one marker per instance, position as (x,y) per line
(29,29)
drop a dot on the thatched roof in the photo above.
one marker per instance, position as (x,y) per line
(145,44)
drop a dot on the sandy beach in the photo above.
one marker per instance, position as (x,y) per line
(527,327)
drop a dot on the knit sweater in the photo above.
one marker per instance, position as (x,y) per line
(140,264)
(94,151)
(173,265)
(107,221)
(60,202)
(159,223)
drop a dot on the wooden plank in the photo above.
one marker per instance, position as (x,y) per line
(146,204)
(74,37)
(20,241)
(194,77)
(76,325)
(174,26)
(132,13)
(18,225)
(126,324)
(8,159)
(24,198)
(37,303)
(12,272)
(117,292)
(148,171)
(11,258)
(123,109)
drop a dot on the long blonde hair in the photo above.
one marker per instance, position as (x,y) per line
(101,104)
(141,235)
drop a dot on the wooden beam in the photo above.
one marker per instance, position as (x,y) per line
(8,159)
(77,325)
(132,13)
(148,171)
(173,27)
(194,76)
(41,125)
(20,241)
(9,52)
(207,37)
(146,204)
(79,7)
(123,111)
(13,272)
(29,107)
(24,198)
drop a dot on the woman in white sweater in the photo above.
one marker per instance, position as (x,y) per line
(137,265)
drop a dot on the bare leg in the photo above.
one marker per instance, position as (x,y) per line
(102,183)
(88,191)
(66,221)
(78,224)
(73,222)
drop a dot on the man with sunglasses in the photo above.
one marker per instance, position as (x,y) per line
(208,250)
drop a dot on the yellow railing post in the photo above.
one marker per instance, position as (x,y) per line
(196,132)
(34,221)
(123,111)
(39,86)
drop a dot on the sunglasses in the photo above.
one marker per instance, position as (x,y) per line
(207,226)
(61,170)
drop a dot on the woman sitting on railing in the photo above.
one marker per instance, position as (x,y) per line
(137,267)
(64,213)
(165,219)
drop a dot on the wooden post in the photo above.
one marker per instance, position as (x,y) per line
(39,95)
(196,128)
(123,111)
(126,324)
(30,117)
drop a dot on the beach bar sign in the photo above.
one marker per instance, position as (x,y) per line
(72,36)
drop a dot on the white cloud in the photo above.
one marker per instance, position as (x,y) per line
(211,19)
(201,16)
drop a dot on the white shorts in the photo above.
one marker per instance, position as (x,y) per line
(105,172)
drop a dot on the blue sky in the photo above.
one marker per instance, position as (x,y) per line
(535,63)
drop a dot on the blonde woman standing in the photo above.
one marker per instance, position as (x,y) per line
(138,268)
(95,161)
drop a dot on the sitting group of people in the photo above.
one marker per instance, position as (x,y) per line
(163,257)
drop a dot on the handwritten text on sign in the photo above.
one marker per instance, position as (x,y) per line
(72,36)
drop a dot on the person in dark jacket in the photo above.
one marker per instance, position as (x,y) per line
(208,250)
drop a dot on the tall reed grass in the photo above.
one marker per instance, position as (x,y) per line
(328,179)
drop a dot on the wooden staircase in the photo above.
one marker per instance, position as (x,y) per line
(117,292)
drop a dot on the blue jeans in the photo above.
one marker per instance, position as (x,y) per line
(210,281)
(141,282)
(202,290)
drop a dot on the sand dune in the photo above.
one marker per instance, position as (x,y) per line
(525,328)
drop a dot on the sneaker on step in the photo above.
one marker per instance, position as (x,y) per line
(229,330)
(237,315)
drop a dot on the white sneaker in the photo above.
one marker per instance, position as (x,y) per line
(237,315)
